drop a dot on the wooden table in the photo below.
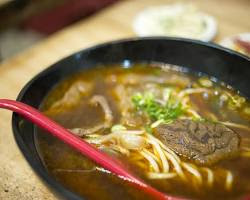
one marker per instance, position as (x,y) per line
(17,180)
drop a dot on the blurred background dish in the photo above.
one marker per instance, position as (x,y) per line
(239,43)
(177,20)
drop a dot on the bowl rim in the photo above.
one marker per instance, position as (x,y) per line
(42,174)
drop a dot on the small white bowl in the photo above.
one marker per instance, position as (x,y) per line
(149,22)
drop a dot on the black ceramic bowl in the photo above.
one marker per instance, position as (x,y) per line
(213,60)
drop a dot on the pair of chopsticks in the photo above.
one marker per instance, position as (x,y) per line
(83,147)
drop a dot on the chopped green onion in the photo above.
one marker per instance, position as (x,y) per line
(147,103)
(148,129)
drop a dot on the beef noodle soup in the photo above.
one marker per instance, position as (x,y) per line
(185,134)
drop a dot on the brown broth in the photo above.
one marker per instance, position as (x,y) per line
(94,184)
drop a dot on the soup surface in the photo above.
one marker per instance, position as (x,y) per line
(185,134)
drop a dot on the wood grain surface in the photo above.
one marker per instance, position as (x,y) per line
(17,180)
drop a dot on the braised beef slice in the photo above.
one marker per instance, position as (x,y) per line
(203,142)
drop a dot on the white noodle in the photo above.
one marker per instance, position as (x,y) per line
(194,113)
(156,123)
(153,156)
(229,180)
(191,91)
(235,125)
(151,161)
(210,176)
(176,165)
(165,165)
(160,159)
(153,175)
(193,171)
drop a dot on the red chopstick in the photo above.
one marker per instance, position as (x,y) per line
(80,145)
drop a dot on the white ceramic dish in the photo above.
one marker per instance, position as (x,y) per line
(177,20)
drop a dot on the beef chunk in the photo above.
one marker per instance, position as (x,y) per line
(203,142)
